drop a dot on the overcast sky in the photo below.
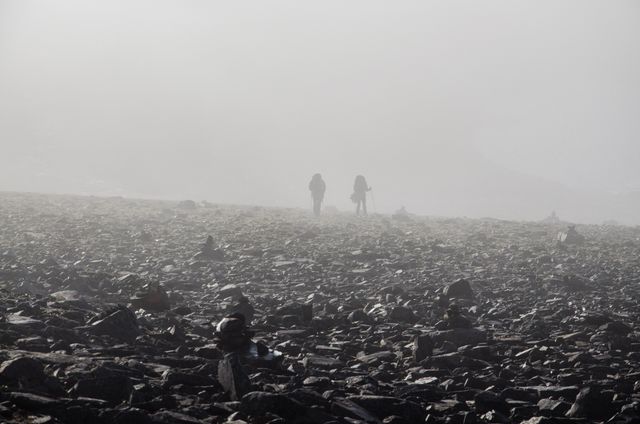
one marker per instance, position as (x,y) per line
(241,102)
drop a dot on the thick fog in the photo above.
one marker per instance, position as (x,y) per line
(507,109)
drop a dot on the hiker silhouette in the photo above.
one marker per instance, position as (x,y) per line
(317,188)
(359,196)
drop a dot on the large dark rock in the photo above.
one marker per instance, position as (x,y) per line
(230,290)
(348,408)
(402,314)
(27,374)
(570,236)
(553,407)
(302,310)
(616,327)
(358,315)
(422,347)
(172,378)
(259,403)
(113,389)
(486,401)
(33,402)
(232,377)
(309,398)
(593,404)
(209,252)
(319,361)
(461,289)
(121,324)
(154,298)
(23,371)
(244,308)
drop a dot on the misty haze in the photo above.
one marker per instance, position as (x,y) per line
(319,212)
(502,109)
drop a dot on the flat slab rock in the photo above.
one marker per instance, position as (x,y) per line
(322,362)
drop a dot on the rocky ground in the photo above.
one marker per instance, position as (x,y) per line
(412,320)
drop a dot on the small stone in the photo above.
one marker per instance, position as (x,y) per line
(318,361)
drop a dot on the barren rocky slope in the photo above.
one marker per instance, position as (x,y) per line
(542,333)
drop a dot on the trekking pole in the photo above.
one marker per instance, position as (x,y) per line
(373,202)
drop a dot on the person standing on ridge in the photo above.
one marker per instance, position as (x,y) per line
(359,196)
(317,188)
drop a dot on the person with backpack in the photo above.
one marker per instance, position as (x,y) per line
(317,188)
(359,196)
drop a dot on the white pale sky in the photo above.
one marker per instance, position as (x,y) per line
(241,102)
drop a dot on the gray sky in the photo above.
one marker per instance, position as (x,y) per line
(496,107)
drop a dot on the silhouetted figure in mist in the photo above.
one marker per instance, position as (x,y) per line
(317,188)
(359,196)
